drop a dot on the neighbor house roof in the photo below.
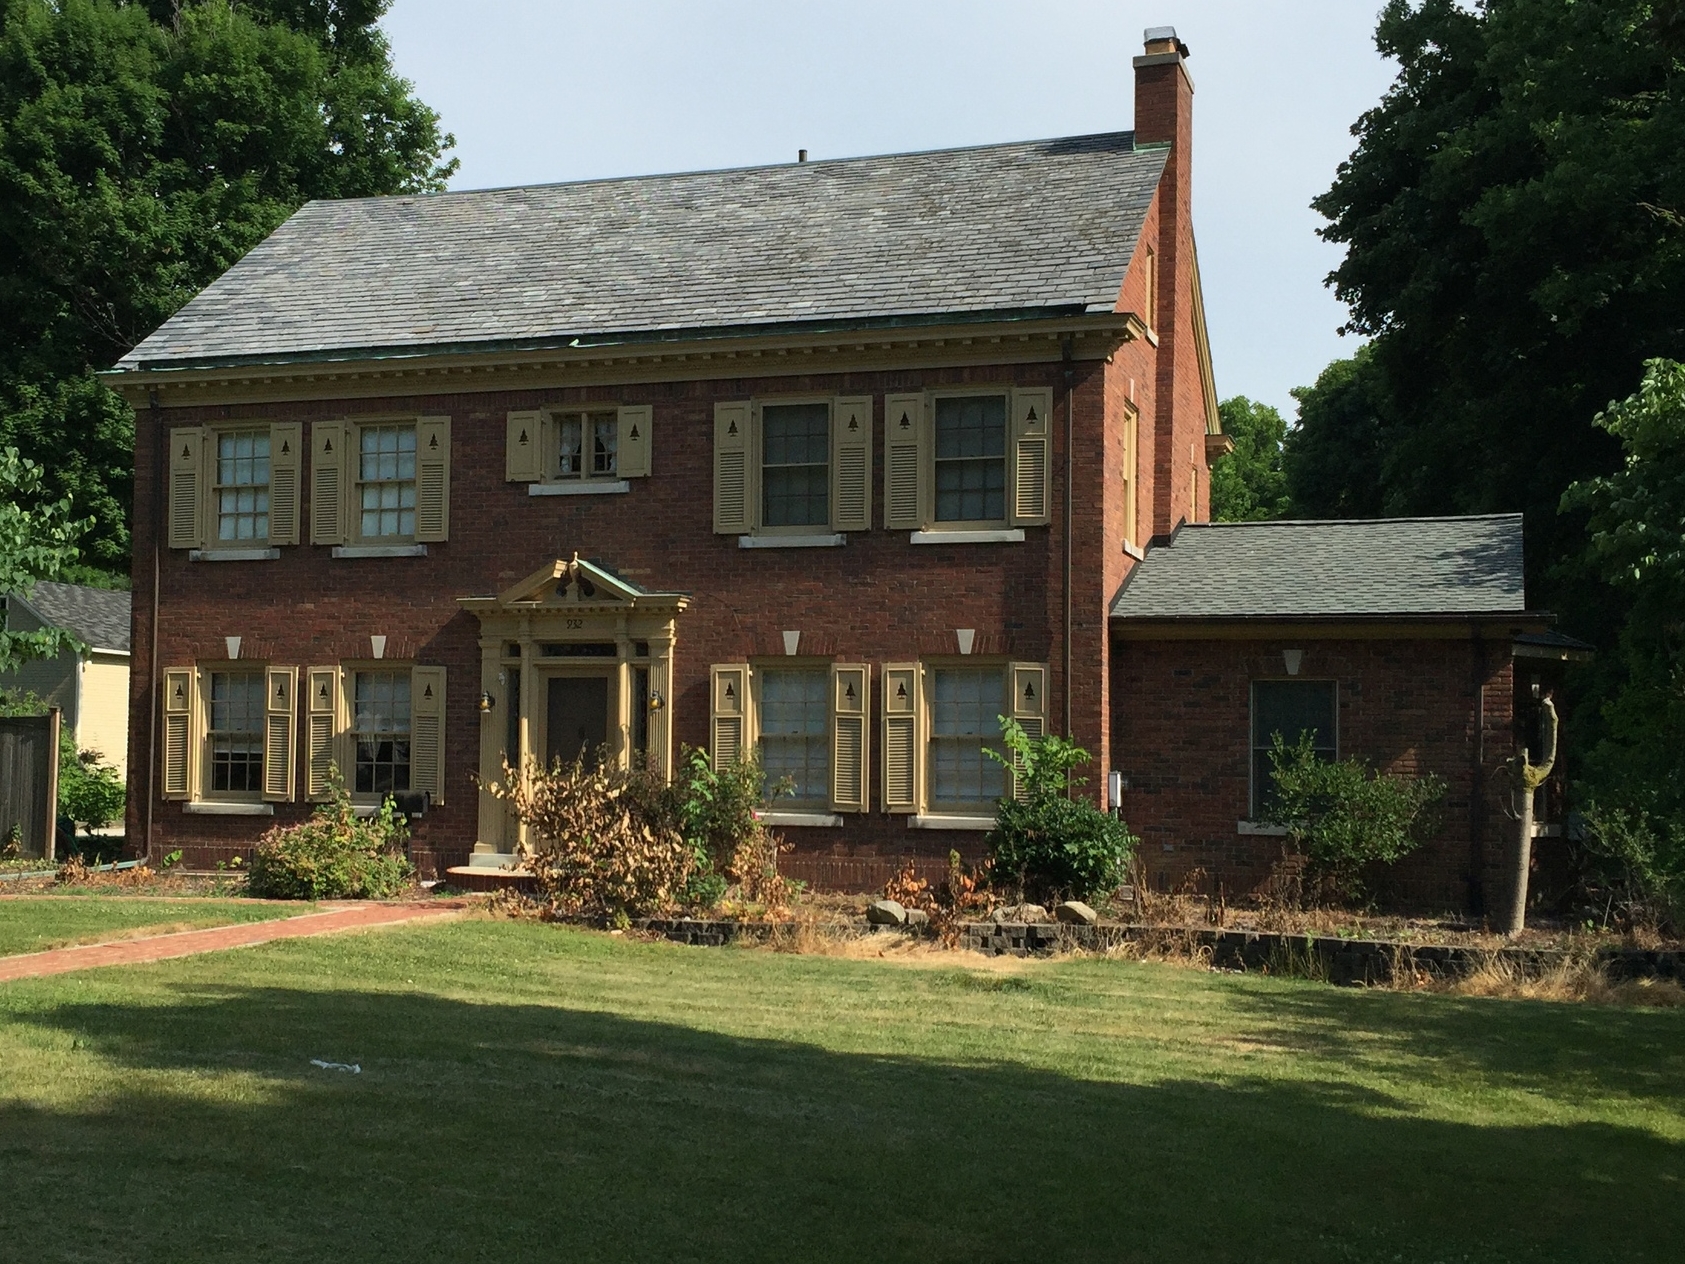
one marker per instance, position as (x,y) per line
(1337,569)
(1039,227)
(97,616)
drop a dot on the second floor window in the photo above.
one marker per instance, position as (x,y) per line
(386,482)
(795,734)
(587,445)
(236,733)
(795,465)
(380,724)
(971,458)
(964,722)
(242,485)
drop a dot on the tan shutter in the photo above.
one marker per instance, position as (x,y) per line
(187,487)
(851,685)
(903,462)
(903,754)
(427,731)
(1032,424)
(1029,702)
(632,459)
(281,686)
(322,713)
(730,713)
(330,470)
(731,469)
(851,464)
(178,733)
(285,462)
(523,454)
(432,480)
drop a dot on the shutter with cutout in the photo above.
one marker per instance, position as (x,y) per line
(731,469)
(731,738)
(321,711)
(903,462)
(432,480)
(1029,705)
(1032,426)
(903,707)
(281,705)
(285,463)
(427,731)
(330,469)
(632,459)
(187,488)
(523,453)
(851,684)
(851,464)
(178,733)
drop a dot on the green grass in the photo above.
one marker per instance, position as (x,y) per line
(532,1092)
(54,921)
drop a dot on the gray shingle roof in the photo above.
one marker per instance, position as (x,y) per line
(1000,228)
(98,616)
(1379,567)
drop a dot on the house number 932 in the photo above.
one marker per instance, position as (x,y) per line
(575,625)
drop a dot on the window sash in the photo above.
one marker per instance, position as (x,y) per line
(795,732)
(587,446)
(970,458)
(386,482)
(966,705)
(796,465)
(1290,707)
(234,736)
(380,731)
(241,485)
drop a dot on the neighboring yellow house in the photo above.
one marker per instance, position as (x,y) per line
(90,689)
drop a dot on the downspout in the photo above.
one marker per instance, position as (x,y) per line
(1070,466)
(158,527)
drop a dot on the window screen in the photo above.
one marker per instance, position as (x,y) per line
(1291,708)
(795,734)
(971,459)
(795,466)
(965,721)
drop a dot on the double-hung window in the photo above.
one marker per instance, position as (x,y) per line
(590,449)
(235,734)
(380,730)
(966,705)
(242,486)
(971,459)
(587,445)
(233,489)
(796,465)
(381,485)
(967,461)
(228,736)
(800,469)
(1290,709)
(809,724)
(386,482)
(795,717)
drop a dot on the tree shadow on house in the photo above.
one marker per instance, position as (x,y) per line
(499,1131)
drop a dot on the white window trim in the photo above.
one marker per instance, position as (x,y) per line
(1261,828)
(234,555)
(928,821)
(791,541)
(380,550)
(226,807)
(966,535)
(1135,551)
(581,487)
(796,819)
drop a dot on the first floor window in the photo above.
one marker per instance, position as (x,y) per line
(795,737)
(964,724)
(381,728)
(386,482)
(971,459)
(242,485)
(1290,708)
(795,465)
(236,733)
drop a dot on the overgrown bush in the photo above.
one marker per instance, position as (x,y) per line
(91,794)
(1053,846)
(1341,816)
(1634,870)
(717,812)
(335,855)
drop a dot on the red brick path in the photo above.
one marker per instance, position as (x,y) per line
(213,939)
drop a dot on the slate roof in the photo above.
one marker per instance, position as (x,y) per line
(98,616)
(1046,226)
(1340,569)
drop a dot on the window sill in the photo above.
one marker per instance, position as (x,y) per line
(603,488)
(1259,827)
(791,541)
(208,807)
(380,550)
(951,822)
(1135,551)
(233,555)
(787,819)
(1013,535)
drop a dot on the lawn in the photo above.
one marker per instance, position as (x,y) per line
(56,921)
(531,1092)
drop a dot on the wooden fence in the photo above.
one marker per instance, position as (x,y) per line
(29,782)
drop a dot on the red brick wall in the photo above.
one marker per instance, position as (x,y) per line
(1181,723)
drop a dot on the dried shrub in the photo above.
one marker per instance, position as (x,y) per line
(335,855)
(964,895)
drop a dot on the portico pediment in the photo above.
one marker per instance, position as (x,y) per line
(576,584)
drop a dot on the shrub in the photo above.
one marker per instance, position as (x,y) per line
(1634,869)
(717,812)
(91,794)
(1341,816)
(1051,845)
(335,855)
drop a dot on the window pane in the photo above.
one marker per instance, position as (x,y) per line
(236,732)
(605,440)
(795,734)
(387,475)
(971,459)
(242,485)
(795,473)
(381,724)
(965,720)
(1291,708)
(570,462)
(973,426)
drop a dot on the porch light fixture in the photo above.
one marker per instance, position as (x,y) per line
(487,702)
(656,701)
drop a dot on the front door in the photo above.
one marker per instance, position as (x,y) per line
(575,718)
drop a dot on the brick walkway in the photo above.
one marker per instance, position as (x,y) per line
(214,939)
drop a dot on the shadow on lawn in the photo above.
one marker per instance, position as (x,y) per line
(514,1132)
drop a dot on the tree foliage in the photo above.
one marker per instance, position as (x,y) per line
(37,541)
(1250,483)
(144,148)
(1334,458)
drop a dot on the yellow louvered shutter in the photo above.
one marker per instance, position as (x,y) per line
(1029,703)
(523,453)
(281,686)
(903,462)
(427,731)
(178,733)
(731,469)
(632,460)
(851,685)
(322,728)
(851,464)
(187,487)
(432,480)
(903,710)
(285,462)
(330,468)
(731,737)
(1032,424)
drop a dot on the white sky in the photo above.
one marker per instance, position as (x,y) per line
(547,90)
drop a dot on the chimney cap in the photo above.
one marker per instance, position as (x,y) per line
(1164,35)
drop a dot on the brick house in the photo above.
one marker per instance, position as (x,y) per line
(837,460)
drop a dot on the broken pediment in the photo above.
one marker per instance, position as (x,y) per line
(575,582)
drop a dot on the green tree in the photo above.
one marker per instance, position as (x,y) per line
(144,148)
(37,541)
(1333,459)
(1250,483)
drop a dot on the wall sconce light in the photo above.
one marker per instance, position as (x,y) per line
(487,702)
(656,701)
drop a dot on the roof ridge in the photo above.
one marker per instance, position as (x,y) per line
(1358,522)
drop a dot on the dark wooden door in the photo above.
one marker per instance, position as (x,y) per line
(576,717)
